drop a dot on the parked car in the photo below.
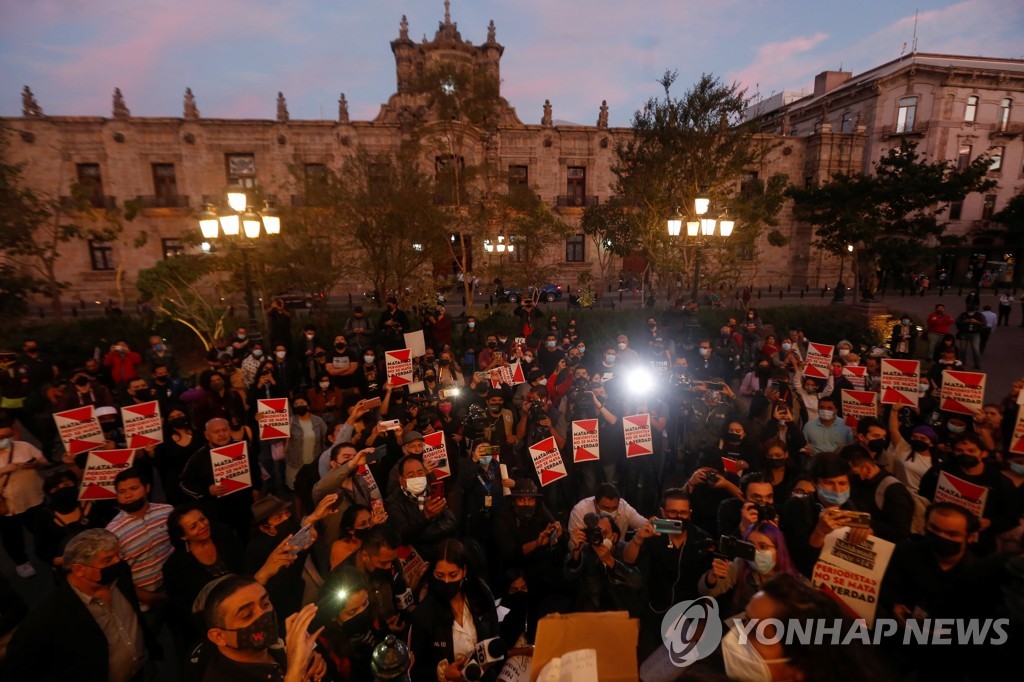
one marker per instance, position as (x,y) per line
(546,292)
(300,298)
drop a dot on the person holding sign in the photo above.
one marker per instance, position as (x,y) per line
(21,496)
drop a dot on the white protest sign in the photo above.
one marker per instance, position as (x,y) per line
(856,375)
(415,343)
(857,405)
(900,382)
(968,495)
(273,418)
(79,429)
(142,424)
(547,460)
(1017,441)
(819,361)
(962,392)
(435,455)
(398,364)
(637,432)
(853,572)
(231,466)
(101,468)
(586,445)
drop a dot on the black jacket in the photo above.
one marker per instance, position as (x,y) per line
(414,528)
(432,630)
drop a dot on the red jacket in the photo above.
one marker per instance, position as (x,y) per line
(123,366)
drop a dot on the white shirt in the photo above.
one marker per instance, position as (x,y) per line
(23,488)
(990,318)
(464,636)
(625,518)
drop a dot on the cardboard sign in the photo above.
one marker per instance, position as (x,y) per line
(857,405)
(231,466)
(435,452)
(901,382)
(413,565)
(79,429)
(968,495)
(612,634)
(376,503)
(142,424)
(856,376)
(819,361)
(547,460)
(637,431)
(398,364)
(1017,441)
(273,418)
(853,572)
(962,392)
(585,442)
(415,343)
(101,468)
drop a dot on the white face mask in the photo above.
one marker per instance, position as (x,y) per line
(325,384)
(924,387)
(257,353)
(609,359)
(471,324)
(826,415)
(280,354)
(764,561)
(843,352)
(787,346)
(622,346)
(416,486)
(704,352)
(743,662)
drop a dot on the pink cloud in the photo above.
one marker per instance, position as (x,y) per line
(776,62)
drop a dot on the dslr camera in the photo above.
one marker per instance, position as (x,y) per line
(733,548)
(538,410)
(593,532)
(766,512)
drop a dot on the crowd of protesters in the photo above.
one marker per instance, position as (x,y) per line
(348,538)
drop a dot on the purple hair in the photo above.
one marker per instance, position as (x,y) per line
(783,562)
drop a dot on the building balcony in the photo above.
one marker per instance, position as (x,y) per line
(78,204)
(919,129)
(162,201)
(1008,131)
(576,201)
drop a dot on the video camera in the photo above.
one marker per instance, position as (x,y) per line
(538,410)
(591,529)
(580,400)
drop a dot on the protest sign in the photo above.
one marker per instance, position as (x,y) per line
(900,382)
(398,364)
(273,418)
(857,405)
(962,392)
(856,375)
(101,468)
(547,460)
(376,502)
(415,343)
(637,432)
(731,465)
(585,443)
(819,361)
(1017,441)
(968,495)
(79,429)
(435,455)
(853,572)
(231,466)
(413,565)
(142,424)
(516,370)
(501,375)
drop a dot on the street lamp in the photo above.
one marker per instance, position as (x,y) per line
(700,231)
(240,221)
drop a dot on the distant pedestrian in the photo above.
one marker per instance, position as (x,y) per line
(990,324)
(1005,306)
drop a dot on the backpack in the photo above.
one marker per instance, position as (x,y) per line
(920,504)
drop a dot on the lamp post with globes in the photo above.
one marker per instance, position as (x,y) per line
(700,232)
(242,222)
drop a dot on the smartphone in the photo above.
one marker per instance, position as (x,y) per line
(371,403)
(667,526)
(302,539)
(855,519)
(448,393)
(499,354)
(520,341)
(377,454)
(390,425)
(493,450)
(437,489)
(734,548)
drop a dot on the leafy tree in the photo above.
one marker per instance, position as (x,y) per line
(891,215)
(612,229)
(180,288)
(1011,218)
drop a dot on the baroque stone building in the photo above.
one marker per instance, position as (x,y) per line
(170,167)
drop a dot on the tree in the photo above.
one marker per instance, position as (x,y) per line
(180,288)
(755,208)
(612,229)
(890,216)
(532,227)
(682,148)
(1011,218)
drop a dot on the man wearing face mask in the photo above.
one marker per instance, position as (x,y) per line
(827,433)
(421,519)
(141,528)
(472,344)
(903,341)
(359,329)
(527,536)
(393,324)
(377,562)
(970,463)
(86,392)
(90,628)
(706,365)
(354,625)
(287,373)
(879,493)
(342,363)
(603,580)
(549,354)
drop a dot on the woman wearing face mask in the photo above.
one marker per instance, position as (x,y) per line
(62,518)
(913,456)
(352,626)
(482,486)
(370,376)
(779,467)
(308,435)
(218,399)
(326,400)
(356,521)
(449,374)
(746,576)
(457,613)
(181,441)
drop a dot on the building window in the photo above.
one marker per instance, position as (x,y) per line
(90,182)
(847,125)
(748,182)
(1004,113)
(989,207)
(576,184)
(165,184)
(963,157)
(905,115)
(241,169)
(971,112)
(518,176)
(172,247)
(574,249)
(955,209)
(996,162)
(101,255)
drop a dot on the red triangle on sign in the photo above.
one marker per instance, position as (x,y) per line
(850,421)
(232,485)
(972,379)
(904,366)
(584,455)
(635,450)
(814,373)
(638,420)
(115,457)
(273,432)
(950,405)
(587,424)
(398,381)
(275,404)
(79,414)
(143,410)
(550,476)
(894,397)
(96,492)
(1018,447)
(77,447)
(140,441)
(232,451)
(517,374)
(400,354)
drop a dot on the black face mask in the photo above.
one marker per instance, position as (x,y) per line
(777,463)
(65,500)
(360,533)
(491,344)
(178,422)
(108,574)
(383,574)
(494,409)
(967,461)
(160,380)
(525,513)
(878,445)
(132,507)
(941,546)
(360,626)
(81,381)
(301,410)
(444,362)
(340,346)
(445,591)
(259,635)
(919,446)
(733,438)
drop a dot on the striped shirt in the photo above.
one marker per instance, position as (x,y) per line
(144,544)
